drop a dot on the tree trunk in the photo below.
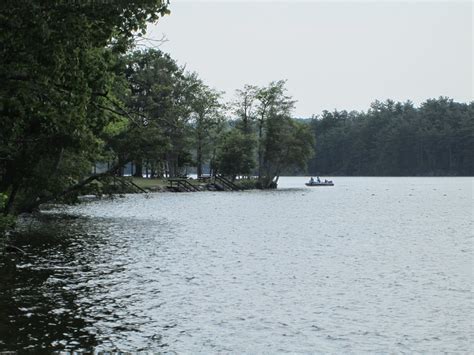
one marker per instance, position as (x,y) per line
(120,170)
(199,158)
(138,168)
(260,150)
(111,171)
(172,165)
(11,199)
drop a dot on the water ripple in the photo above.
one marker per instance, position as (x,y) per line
(379,267)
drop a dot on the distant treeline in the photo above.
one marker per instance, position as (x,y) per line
(396,139)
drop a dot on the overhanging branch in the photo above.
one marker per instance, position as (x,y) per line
(76,186)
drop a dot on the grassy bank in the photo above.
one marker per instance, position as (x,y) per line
(123,185)
(162,184)
(151,184)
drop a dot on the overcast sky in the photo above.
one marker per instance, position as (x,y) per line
(334,55)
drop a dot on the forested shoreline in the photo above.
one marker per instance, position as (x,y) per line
(396,139)
(79,89)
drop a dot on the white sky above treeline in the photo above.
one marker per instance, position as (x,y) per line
(333,54)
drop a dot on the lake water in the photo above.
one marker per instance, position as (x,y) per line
(369,265)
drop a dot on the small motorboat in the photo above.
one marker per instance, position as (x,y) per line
(318,182)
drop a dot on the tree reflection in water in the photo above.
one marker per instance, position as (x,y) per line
(37,312)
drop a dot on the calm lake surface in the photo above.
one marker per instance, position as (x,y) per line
(369,265)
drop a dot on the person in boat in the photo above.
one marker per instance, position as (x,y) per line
(319,180)
(311,180)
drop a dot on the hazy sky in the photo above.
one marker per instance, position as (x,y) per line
(335,55)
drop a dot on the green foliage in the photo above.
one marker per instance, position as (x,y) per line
(159,97)
(57,69)
(235,155)
(247,184)
(206,118)
(244,108)
(396,139)
(282,144)
(287,145)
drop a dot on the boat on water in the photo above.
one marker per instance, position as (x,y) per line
(318,182)
(329,183)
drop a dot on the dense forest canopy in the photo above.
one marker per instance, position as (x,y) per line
(396,139)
